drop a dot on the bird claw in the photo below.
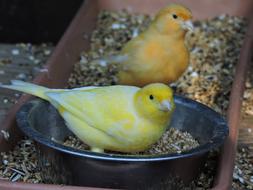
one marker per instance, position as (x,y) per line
(95,149)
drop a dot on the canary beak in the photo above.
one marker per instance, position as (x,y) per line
(187,25)
(165,105)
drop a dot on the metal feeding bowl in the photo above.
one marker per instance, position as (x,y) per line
(61,164)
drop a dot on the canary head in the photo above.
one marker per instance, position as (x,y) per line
(155,101)
(174,18)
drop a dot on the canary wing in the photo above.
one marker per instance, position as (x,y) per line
(107,109)
(130,49)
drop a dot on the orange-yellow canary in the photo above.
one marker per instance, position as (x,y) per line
(159,53)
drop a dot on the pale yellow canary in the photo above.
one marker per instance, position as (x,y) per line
(159,53)
(119,118)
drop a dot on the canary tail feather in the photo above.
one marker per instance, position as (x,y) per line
(27,88)
(104,61)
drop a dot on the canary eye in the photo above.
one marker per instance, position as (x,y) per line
(174,16)
(151,97)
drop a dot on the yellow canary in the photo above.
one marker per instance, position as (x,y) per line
(119,118)
(159,53)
